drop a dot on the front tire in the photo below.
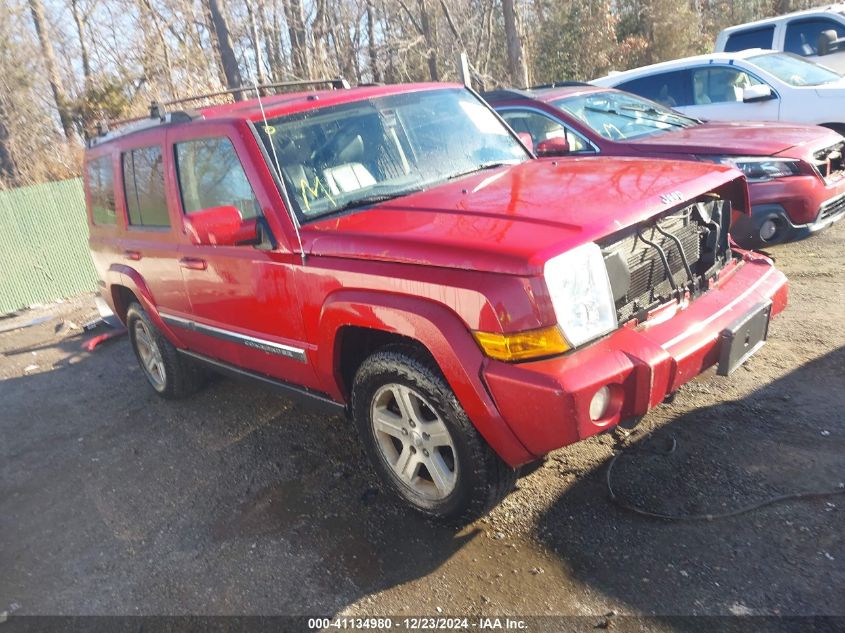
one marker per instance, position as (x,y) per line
(421,442)
(169,373)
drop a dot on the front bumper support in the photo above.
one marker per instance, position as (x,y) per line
(547,403)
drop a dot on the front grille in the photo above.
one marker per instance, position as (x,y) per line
(641,280)
(829,162)
(832,208)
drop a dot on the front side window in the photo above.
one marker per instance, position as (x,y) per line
(100,178)
(211,175)
(143,181)
(541,128)
(719,84)
(802,36)
(356,154)
(793,70)
(668,89)
(752,38)
(618,116)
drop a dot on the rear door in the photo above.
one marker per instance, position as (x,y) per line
(149,245)
(244,303)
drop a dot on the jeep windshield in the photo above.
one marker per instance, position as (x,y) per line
(795,71)
(619,116)
(353,155)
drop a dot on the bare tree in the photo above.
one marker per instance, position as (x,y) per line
(372,48)
(516,56)
(224,46)
(296,33)
(79,19)
(42,29)
(260,76)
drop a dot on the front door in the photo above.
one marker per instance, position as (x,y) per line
(717,95)
(244,304)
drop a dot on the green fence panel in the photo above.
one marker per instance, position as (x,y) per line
(43,244)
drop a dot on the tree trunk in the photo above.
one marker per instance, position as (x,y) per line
(296,32)
(516,56)
(429,33)
(319,31)
(272,42)
(8,172)
(260,76)
(83,42)
(371,42)
(782,6)
(42,29)
(224,47)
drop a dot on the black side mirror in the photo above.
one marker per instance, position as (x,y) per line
(264,236)
(829,42)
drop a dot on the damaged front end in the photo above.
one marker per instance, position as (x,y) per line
(672,257)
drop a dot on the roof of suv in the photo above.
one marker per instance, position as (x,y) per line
(290,102)
(830,8)
(681,63)
(270,106)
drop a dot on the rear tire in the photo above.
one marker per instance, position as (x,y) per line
(170,374)
(421,442)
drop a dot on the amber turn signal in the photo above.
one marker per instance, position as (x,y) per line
(546,341)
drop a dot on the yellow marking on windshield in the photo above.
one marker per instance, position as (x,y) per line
(314,191)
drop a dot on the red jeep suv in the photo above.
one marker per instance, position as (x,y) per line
(396,253)
(796,173)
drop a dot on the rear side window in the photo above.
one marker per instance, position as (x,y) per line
(100,177)
(752,38)
(143,181)
(802,36)
(669,89)
(211,175)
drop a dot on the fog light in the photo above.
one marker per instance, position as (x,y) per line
(599,404)
(768,230)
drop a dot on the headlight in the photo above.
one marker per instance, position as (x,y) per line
(759,168)
(580,291)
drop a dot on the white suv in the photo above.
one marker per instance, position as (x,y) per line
(752,85)
(817,35)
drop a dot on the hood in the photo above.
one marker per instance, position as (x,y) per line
(512,219)
(735,139)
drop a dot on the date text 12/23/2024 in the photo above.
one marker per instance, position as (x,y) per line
(419,624)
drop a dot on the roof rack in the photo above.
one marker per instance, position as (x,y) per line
(338,83)
(159,115)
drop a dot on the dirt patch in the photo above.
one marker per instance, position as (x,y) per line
(237,501)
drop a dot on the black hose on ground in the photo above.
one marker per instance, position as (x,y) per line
(626,505)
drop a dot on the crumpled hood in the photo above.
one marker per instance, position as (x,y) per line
(514,218)
(747,138)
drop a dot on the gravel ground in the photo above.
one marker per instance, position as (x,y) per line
(236,501)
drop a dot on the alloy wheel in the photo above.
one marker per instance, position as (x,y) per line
(150,355)
(414,441)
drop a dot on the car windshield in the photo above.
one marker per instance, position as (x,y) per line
(793,70)
(620,116)
(356,154)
